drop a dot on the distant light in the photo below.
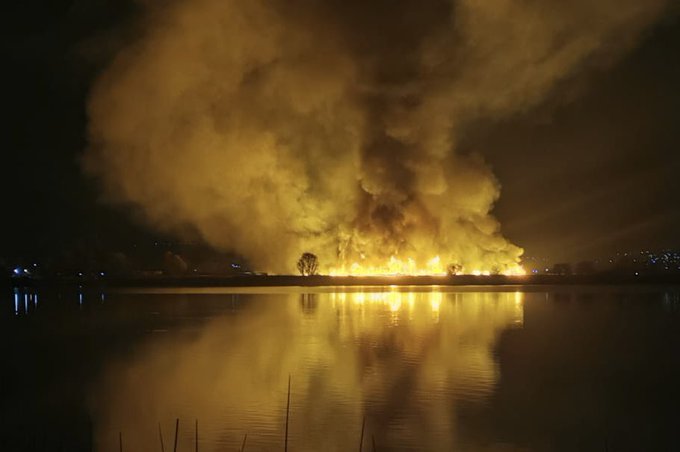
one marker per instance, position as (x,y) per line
(80,273)
(17,271)
(637,274)
(101,273)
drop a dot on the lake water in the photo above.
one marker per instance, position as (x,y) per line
(420,368)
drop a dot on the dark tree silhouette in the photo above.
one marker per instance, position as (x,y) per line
(454,269)
(308,264)
(563,269)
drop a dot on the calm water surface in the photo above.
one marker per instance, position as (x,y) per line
(425,368)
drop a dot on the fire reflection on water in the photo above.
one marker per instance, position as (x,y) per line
(403,359)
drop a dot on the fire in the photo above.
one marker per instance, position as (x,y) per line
(393,267)
(409,266)
(515,270)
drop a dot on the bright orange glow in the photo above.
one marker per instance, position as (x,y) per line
(393,299)
(345,348)
(516,270)
(393,267)
(410,267)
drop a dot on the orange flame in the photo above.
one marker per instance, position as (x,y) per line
(409,266)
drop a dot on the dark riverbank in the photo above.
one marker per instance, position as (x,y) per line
(322,280)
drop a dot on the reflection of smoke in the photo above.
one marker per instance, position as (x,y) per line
(277,127)
(403,360)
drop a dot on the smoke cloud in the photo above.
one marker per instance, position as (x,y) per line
(273,127)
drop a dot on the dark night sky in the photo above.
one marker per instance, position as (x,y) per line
(592,171)
(598,173)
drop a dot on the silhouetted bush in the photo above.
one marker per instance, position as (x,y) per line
(308,264)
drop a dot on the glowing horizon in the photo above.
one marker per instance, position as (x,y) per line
(410,267)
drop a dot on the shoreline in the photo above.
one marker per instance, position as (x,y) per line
(339,281)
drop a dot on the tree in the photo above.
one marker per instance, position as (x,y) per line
(563,269)
(454,269)
(308,264)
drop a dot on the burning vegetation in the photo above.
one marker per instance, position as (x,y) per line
(271,128)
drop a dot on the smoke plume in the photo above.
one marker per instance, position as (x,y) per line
(274,127)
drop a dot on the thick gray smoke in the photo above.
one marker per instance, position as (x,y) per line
(277,127)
